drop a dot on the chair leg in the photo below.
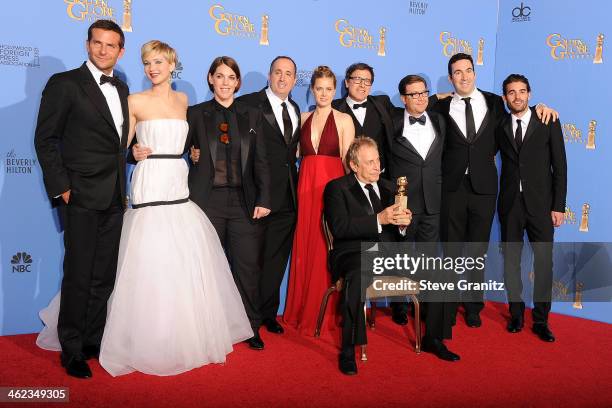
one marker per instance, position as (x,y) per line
(326,296)
(364,354)
(417,324)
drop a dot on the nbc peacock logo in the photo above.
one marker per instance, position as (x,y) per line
(21,262)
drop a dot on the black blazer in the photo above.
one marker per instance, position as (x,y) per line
(540,166)
(281,156)
(76,140)
(383,106)
(424,175)
(351,219)
(479,152)
(204,135)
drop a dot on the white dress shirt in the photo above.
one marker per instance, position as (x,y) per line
(420,136)
(359,113)
(524,123)
(276,102)
(479,108)
(111,95)
(367,194)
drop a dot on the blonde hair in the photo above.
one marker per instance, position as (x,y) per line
(160,47)
(322,71)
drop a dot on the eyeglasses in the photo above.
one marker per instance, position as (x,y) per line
(224,136)
(417,95)
(360,80)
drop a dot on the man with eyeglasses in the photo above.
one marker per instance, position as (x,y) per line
(415,151)
(469,173)
(371,114)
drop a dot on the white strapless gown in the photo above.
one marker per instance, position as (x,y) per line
(175,305)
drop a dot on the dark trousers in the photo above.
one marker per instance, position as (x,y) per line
(351,304)
(241,237)
(424,232)
(91,243)
(540,232)
(278,239)
(466,217)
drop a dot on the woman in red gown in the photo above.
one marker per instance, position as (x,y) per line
(325,137)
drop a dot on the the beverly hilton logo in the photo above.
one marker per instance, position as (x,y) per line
(92,10)
(21,262)
(234,24)
(358,37)
(452,45)
(562,48)
(17,165)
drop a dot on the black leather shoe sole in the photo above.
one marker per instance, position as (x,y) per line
(75,367)
(255,343)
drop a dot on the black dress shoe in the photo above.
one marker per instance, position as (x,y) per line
(543,332)
(346,361)
(473,320)
(91,352)
(515,325)
(273,326)
(75,366)
(255,342)
(438,348)
(400,318)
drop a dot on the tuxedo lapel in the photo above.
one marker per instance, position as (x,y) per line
(531,128)
(96,96)
(212,134)
(437,135)
(398,118)
(486,119)
(508,132)
(123,95)
(242,116)
(359,195)
(268,114)
(296,132)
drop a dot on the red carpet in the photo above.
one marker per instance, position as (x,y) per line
(496,369)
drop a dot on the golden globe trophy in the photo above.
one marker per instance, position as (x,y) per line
(401,195)
(479,58)
(578,296)
(584,220)
(599,50)
(591,138)
(263,39)
(127,16)
(381,43)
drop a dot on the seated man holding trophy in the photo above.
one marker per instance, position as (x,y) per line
(359,207)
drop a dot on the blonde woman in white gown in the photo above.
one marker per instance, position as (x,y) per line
(175,305)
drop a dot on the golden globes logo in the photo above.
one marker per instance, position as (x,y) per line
(92,10)
(562,48)
(571,133)
(569,217)
(584,219)
(591,136)
(238,25)
(358,37)
(452,45)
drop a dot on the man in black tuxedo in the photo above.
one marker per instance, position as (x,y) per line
(371,114)
(230,181)
(469,174)
(532,194)
(415,152)
(80,142)
(358,207)
(281,133)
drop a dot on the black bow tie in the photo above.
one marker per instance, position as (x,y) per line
(360,105)
(112,80)
(420,119)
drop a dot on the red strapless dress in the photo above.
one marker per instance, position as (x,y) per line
(309,276)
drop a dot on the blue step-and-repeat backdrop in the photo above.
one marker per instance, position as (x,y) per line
(559,45)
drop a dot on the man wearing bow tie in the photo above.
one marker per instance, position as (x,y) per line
(415,151)
(80,142)
(371,114)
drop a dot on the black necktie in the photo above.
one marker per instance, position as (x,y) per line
(470,126)
(518,135)
(360,105)
(111,80)
(288,127)
(376,204)
(422,119)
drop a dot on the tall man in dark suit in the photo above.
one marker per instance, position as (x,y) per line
(281,133)
(80,141)
(371,114)
(532,194)
(469,174)
(358,207)
(415,151)
(231,181)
